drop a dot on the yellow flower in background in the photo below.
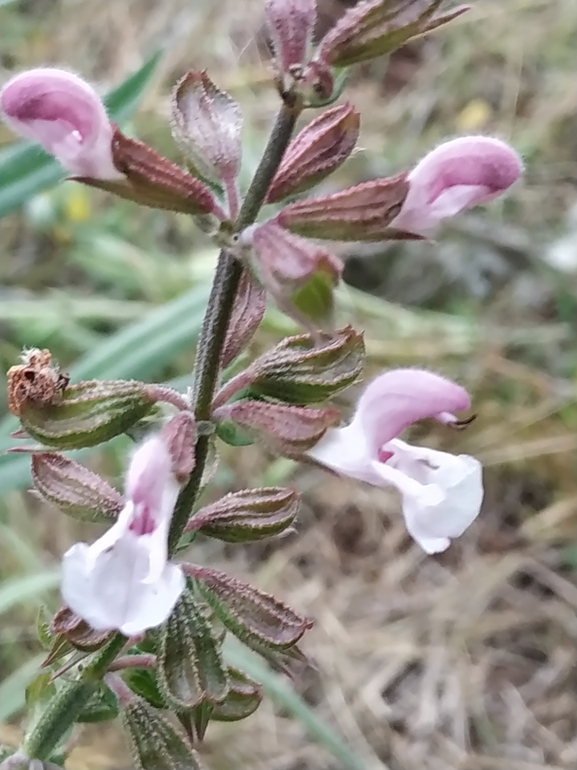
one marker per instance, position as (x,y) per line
(474,116)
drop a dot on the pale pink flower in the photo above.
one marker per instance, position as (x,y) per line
(441,493)
(455,176)
(124,580)
(64,114)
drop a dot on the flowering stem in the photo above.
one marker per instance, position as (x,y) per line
(62,710)
(220,304)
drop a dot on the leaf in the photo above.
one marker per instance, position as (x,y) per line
(102,707)
(232,435)
(40,689)
(26,170)
(143,682)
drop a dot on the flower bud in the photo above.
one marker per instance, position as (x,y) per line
(247,516)
(207,125)
(89,413)
(61,112)
(377,27)
(360,213)
(455,176)
(179,436)
(319,149)
(290,24)
(190,662)
(74,489)
(307,369)
(287,430)
(152,180)
(250,614)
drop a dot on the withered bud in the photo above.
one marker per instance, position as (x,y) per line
(248,515)
(377,27)
(74,489)
(359,213)
(247,313)
(152,180)
(179,435)
(70,626)
(37,380)
(286,430)
(319,149)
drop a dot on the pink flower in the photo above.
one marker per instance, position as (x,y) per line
(124,580)
(441,493)
(61,112)
(455,176)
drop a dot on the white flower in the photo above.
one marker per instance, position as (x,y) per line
(441,493)
(124,580)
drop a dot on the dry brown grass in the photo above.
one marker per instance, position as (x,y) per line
(467,661)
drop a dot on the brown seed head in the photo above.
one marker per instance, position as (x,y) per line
(36,380)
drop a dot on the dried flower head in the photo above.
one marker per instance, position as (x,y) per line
(37,380)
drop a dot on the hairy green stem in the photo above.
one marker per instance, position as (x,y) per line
(62,710)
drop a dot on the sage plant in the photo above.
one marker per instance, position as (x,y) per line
(141,629)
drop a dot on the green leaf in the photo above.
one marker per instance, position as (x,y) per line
(143,682)
(278,689)
(41,688)
(231,434)
(102,707)
(316,298)
(26,170)
(43,631)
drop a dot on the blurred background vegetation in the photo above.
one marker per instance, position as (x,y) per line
(467,660)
